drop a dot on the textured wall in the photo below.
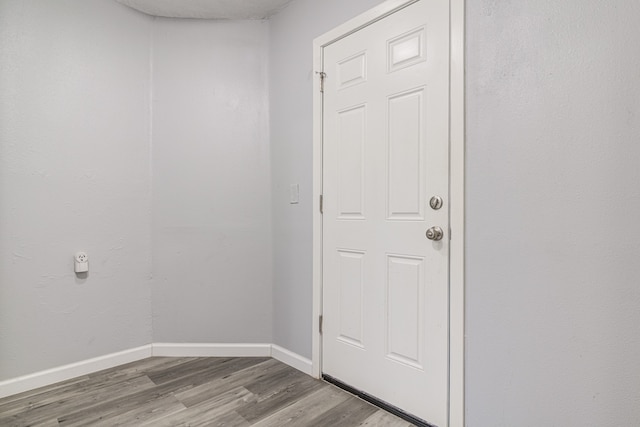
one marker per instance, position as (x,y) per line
(74,175)
(553,202)
(211,182)
(207,9)
(290,84)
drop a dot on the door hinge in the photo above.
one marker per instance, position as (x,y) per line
(321,204)
(322,75)
(320,324)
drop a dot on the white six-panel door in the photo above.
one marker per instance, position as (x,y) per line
(385,154)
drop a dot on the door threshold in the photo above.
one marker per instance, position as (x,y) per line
(377,402)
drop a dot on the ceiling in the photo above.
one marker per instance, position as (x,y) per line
(208,9)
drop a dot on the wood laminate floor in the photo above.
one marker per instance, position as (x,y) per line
(213,391)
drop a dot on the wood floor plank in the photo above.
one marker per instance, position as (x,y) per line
(192,375)
(217,409)
(275,381)
(9,401)
(301,412)
(349,413)
(192,367)
(206,370)
(25,401)
(283,395)
(40,411)
(241,377)
(231,419)
(212,392)
(382,418)
(149,412)
(122,404)
(86,383)
(67,394)
(48,423)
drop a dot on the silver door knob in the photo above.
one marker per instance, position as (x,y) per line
(435,233)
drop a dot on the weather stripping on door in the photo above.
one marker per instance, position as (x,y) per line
(377,402)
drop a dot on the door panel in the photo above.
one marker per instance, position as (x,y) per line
(351,267)
(385,154)
(405,309)
(351,134)
(405,153)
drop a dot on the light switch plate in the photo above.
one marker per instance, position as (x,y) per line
(294,194)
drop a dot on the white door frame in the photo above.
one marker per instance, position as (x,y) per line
(456,192)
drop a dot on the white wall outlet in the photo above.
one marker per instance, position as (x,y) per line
(81,264)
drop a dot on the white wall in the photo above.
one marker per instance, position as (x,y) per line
(211,182)
(290,84)
(74,175)
(553,209)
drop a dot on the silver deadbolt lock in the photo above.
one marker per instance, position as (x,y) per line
(436,202)
(435,233)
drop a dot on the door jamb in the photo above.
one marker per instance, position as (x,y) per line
(456,191)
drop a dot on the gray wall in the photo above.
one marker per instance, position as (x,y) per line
(74,175)
(553,200)
(290,84)
(211,183)
(553,210)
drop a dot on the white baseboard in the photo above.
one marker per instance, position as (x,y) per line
(233,350)
(292,359)
(211,350)
(66,372)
